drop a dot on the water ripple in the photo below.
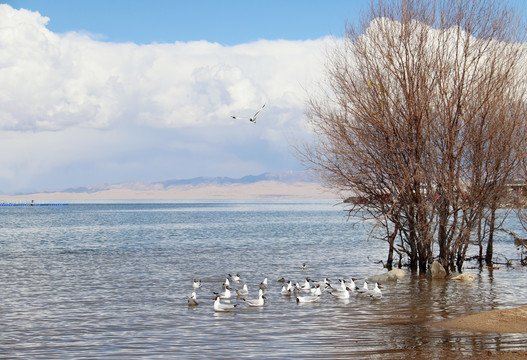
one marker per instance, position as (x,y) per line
(110,280)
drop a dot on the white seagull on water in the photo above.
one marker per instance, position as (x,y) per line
(307,284)
(263,284)
(352,285)
(196,284)
(251,119)
(218,306)
(364,289)
(340,288)
(342,294)
(285,291)
(226,295)
(376,292)
(235,278)
(243,291)
(258,302)
(316,290)
(323,283)
(307,299)
(192,301)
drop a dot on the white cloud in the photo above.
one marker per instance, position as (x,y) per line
(58,89)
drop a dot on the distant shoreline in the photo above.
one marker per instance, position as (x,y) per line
(32,204)
(259,190)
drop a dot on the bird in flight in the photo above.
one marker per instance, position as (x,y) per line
(251,119)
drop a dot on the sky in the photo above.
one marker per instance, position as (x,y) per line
(98,92)
(102,92)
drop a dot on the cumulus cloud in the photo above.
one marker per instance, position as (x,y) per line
(58,89)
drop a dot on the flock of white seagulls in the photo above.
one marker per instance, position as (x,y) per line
(308,292)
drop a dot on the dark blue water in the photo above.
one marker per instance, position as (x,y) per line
(91,281)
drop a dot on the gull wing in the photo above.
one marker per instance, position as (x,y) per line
(254,117)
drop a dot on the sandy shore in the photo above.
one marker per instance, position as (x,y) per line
(499,321)
(485,355)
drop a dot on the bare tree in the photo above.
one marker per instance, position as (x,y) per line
(423,120)
(520,203)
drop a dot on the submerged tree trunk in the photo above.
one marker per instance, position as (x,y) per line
(480,242)
(490,244)
(391,241)
(444,250)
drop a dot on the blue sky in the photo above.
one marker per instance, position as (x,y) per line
(225,22)
(128,91)
(96,92)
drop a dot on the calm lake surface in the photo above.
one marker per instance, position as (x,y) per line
(92,281)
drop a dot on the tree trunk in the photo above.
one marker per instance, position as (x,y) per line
(480,242)
(391,240)
(490,245)
(444,250)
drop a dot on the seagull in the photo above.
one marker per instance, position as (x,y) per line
(258,302)
(196,284)
(340,288)
(316,291)
(306,299)
(285,291)
(263,284)
(192,301)
(342,294)
(352,285)
(226,283)
(364,289)
(251,119)
(218,306)
(235,278)
(225,295)
(307,284)
(376,292)
(297,288)
(325,283)
(243,291)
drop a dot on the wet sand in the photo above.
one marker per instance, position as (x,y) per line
(500,321)
(485,355)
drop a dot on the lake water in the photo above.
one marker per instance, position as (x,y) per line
(92,281)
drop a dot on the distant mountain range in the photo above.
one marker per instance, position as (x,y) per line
(289,177)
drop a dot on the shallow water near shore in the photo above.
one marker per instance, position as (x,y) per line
(90,281)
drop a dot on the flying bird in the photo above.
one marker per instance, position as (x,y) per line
(251,119)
